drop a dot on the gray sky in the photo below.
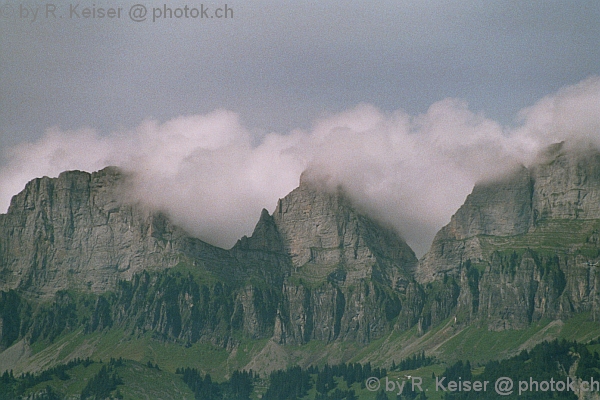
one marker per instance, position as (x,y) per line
(283,66)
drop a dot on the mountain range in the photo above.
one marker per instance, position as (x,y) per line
(86,271)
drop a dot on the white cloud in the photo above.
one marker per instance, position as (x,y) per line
(573,113)
(210,175)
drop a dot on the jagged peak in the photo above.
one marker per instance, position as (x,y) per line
(264,222)
(264,214)
(322,230)
(314,189)
(264,237)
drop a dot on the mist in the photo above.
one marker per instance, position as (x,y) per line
(212,175)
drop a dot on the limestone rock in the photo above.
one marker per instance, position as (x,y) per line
(349,274)
(525,248)
(317,269)
(78,232)
(323,233)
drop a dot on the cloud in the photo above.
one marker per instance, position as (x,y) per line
(55,152)
(573,113)
(212,176)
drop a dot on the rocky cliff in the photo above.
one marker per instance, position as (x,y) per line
(322,232)
(315,269)
(525,247)
(75,252)
(78,231)
(350,274)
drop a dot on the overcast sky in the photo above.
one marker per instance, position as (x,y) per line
(285,71)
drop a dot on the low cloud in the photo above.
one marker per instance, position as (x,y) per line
(212,176)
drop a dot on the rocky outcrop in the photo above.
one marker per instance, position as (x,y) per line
(317,269)
(78,231)
(501,208)
(567,184)
(75,252)
(263,255)
(349,274)
(322,233)
(525,248)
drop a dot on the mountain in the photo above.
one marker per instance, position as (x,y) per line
(76,253)
(79,232)
(346,270)
(525,248)
(86,271)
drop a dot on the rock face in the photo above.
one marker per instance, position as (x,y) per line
(316,269)
(322,232)
(525,248)
(74,251)
(495,209)
(502,208)
(349,274)
(77,232)
(567,185)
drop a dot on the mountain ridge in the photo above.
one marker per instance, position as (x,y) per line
(519,251)
(93,242)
